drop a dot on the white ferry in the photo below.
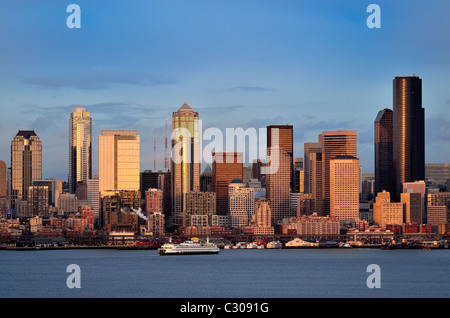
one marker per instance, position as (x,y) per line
(300,243)
(188,247)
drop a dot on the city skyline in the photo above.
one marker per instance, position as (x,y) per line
(316,67)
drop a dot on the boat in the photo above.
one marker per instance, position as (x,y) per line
(252,245)
(188,247)
(297,243)
(274,244)
(260,247)
(228,246)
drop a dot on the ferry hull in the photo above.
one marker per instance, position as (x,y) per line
(162,252)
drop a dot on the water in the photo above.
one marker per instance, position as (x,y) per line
(318,273)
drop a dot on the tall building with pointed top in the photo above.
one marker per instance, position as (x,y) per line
(26,164)
(80,147)
(185,161)
(408,131)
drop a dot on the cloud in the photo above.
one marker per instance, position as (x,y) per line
(249,89)
(95,80)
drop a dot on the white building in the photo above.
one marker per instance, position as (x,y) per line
(241,203)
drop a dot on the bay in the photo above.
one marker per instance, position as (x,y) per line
(247,273)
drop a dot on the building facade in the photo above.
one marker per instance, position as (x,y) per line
(185,161)
(241,203)
(118,160)
(409,131)
(26,164)
(80,146)
(344,187)
(334,143)
(227,166)
(383,141)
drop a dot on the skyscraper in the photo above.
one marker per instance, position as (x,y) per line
(185,160)
(2,180)
(344,187)
(334,143)
(282,136)
(26,164)
(277,185)
(118,160)
(313,174)
(409,131)
(227,166)
(80,146)
(384,168)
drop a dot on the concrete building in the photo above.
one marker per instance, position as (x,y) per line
(334,143)
(386,212)
(118,160)
(241,203)
(344,187)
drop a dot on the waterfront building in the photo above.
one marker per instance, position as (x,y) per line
(118,160)
(226,167)
(241,203)
(435,209)
(263,218)
(185,170)
(386,212)
(200,207)
(316,225)
(80,146)
(344,187)
(117,211)
(334,143)
(156,223)
(26,164)
(409,131)
(384,168)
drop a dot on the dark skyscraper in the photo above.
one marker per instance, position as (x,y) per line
(383,139)
(409,131)
(282,136)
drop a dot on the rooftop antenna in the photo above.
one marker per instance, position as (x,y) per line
(154,149)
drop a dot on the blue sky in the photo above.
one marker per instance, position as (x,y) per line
(239,63)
